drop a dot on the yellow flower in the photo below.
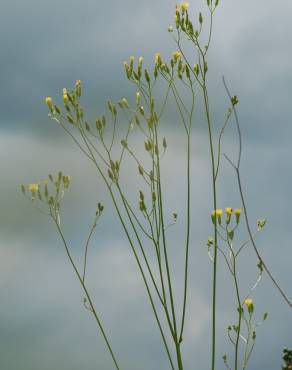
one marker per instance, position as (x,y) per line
(34,188)
(217,213)
(249,304)
(228,211)
(237,213)
(49,102)
(184,6)
(176,55)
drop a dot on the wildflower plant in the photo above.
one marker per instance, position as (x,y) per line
(107,144)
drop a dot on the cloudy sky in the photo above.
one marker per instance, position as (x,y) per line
(46,46)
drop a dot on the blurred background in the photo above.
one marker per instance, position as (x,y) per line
(46,46)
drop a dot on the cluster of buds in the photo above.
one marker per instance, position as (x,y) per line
(218,213)
(123,104)
(41,191)
(182,20)
(175,60)
(176,55)
(136,74)
(287,358)
(113,172)
(70,100)
(100,125)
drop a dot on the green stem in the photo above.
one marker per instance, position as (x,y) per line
(206,103)
(92,157)
(86,293)
(178,353)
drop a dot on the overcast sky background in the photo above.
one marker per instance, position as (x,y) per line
(46,46)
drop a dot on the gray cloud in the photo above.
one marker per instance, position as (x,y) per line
(46,46)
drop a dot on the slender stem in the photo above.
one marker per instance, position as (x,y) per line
(132,247)
(140,243)
(86,249)
(234,273)
(206,103)
(179,359)
(86,292)
(236,167)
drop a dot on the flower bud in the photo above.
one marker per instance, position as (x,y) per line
(158,58)
(147,77)
(65,98)
(200,18)
(196,69)
(176,55)
(49,102)
(249,304)
(78,88)
(140,61)
(125,103)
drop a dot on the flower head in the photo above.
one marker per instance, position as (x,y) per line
(157,58)
(237,213)
(34,188)
(217,213)
(249,304)
(49,102)
(228,211)
(184,6)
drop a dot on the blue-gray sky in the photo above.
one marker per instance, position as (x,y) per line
(46,46)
